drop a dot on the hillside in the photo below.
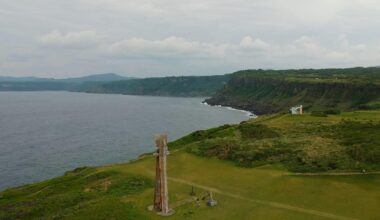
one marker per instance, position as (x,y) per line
(23,79)
(105,77)
(35,86)
(246,166)
(185,86)
(271,91)
(301,143)
(44,84)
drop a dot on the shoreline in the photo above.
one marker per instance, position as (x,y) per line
(248,113)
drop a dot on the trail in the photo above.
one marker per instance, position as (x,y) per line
(335,174)
(267,203)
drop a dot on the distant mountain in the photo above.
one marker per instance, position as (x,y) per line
(8,83)
(23,79)
(185,86)
(105,77)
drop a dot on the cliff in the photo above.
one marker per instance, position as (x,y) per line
(269,91)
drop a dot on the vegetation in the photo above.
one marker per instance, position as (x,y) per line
(79,192)
(266,190)
(49,84)
(164,86)
(302,143)
(319,165)
(271,91)
(34,86)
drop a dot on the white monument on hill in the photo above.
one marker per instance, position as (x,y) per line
(297,110)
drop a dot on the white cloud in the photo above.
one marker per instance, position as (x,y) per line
(249,51)
(170,47)
(185,37)
(255,44)
(76,40)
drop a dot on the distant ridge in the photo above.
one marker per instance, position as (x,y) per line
(104,77)
(23,79)
(8,83)
(184,86)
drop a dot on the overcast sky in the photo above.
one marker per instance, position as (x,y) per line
(62,38)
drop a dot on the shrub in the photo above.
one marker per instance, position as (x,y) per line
(318,114)
(332,111)
(256,131)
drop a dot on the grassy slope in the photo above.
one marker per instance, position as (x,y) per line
(302,143)
(266,192)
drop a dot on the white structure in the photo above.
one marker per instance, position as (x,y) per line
(297,110)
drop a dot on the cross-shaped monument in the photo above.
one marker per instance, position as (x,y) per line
(161,199)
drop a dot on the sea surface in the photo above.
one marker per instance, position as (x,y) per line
(44,134)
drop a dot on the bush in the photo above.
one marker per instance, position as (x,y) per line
(332,111)
(256,131)
(318,114)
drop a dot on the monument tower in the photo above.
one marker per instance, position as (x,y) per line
(161,200)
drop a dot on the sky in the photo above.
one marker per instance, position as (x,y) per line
(144,38)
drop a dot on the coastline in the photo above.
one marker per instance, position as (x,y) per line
(248,113)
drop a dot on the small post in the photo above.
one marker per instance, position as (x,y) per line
(192,193)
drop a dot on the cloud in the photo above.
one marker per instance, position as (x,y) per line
(170,47)
(248,51)
(254,44)
(185,37)
(72,40)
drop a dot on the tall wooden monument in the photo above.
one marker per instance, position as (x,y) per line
(161,200)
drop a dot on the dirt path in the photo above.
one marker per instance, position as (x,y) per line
(267,203)
(335,174)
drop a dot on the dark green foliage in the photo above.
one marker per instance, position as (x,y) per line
(325,113)
(369,106)
(130,185)
(222,131)
(270,91)
(165,86)
(99,175)
(241,153)
(311,146)
(333,161)
(318,114)
(76,170)
(71,194)
(332,111)
(256,131)
(362,140)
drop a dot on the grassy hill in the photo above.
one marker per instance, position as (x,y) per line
(301,143)
(185,86)
(247,166)
(272,91)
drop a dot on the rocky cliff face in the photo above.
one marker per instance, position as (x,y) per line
(270,94)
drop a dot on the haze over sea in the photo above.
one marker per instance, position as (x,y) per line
(44,134)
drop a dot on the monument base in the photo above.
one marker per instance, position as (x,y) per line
(171,211)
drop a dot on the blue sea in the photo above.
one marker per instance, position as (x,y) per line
(44,134)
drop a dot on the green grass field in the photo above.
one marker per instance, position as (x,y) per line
(270,191)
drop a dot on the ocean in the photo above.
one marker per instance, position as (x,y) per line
(44,134)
